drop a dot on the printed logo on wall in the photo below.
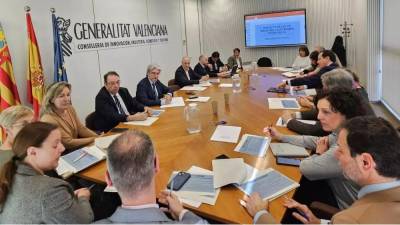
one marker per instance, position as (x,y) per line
(101,36)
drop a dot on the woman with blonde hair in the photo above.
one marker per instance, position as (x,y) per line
(58,110)
(12,120)
(27,195)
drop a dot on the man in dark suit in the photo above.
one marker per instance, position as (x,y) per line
(216,64)
(184,75)
(326,61)
(150,91)
(203,68)
(114,104)
(132,167)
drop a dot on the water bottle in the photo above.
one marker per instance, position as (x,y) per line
(236,84)
(192,118)
(253,68)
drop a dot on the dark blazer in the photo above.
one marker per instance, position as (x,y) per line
(181,78)
(146,95)
(107,115)
(202,71)
(313,81)
(215,66)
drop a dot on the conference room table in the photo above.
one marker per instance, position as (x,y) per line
(178,150)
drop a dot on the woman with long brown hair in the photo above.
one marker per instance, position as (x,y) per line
(29,196)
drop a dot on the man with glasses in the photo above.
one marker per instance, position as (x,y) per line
(114,104)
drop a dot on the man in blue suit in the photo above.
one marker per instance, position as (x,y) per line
(150,91)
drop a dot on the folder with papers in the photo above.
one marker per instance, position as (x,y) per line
(79,160)
(253,145)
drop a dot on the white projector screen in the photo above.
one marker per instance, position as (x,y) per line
(391,56)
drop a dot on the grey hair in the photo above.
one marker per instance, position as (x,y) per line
(201,56)
(152,67)
(337,78)
(130,160)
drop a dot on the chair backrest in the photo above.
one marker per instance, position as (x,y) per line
(172,84)
(90,121)
(264,62)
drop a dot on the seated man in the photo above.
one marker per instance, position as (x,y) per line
(132,167)
(184,75)
(216,64)
(150,91)
(368,153)
(326,61)
(203,68)
(114,104)
(235,59)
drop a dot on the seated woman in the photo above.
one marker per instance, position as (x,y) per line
(334,108)
(302,60)
(29,196)
(12,120)
(57,110)
(335,78)
(313,67)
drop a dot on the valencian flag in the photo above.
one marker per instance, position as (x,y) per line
(60,74)
(35,78)
(8,89)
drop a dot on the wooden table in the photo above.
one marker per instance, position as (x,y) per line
(179,150)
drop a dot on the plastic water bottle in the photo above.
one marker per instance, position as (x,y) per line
(192,118)
(236,84)
(253,68)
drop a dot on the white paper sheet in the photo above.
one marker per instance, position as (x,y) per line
(148,122)
(193,88)
(226,85)
(176,102)
(223,171)
(226,134)
(288,150)
(282,69)
(198,99)
(104,142)
(276,103)
(280,122)
(214,80)
(290,74)
(203,84)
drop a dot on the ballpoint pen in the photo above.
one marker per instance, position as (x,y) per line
(83,154)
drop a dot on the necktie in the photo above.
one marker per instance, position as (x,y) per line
(153,85)
(120,110)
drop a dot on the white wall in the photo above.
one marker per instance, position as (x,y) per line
(223,28)
(85,69)
(391,56)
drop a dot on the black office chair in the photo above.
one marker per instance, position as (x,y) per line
(264,62)
(90,121)
(172,84)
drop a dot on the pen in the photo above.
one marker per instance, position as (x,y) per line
(91,186)
(83,154)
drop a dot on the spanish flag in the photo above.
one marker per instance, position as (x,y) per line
(8,89)
(35,78)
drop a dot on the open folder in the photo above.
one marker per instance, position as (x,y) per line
(79,160)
